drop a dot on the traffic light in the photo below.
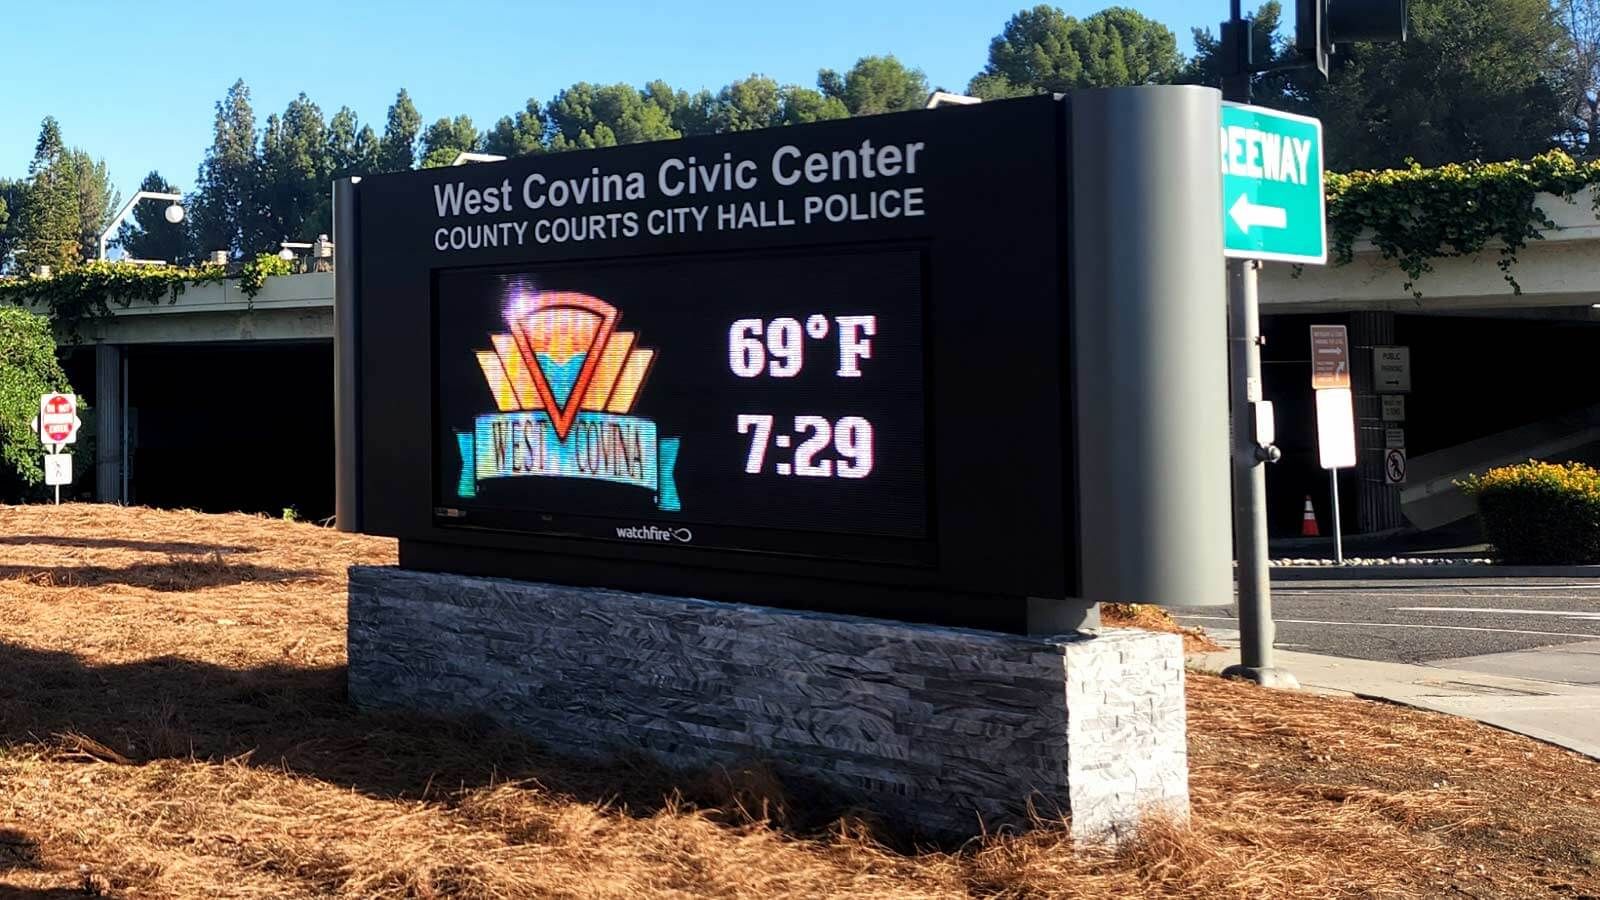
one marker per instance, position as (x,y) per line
(1321,25)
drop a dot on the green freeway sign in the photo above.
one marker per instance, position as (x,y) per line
(1272,195)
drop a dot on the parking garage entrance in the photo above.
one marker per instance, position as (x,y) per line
(242,427)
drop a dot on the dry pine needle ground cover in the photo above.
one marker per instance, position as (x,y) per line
(173,724)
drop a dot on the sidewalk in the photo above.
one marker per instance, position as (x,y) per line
(1551,693)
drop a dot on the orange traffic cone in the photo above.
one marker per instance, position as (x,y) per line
(1308,525)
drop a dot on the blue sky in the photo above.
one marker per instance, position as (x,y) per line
(136,84)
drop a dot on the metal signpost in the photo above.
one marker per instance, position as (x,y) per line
(57,425)
(1336,448)
(1272,209)
(1336,434)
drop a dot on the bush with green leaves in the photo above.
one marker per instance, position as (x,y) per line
(28,368)
(1539,513)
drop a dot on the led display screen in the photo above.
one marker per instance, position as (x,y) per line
(817,366)
(712,400)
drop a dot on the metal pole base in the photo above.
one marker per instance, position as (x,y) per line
(1267,677)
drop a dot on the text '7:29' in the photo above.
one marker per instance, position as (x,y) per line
(849,439)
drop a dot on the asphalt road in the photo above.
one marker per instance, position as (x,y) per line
(1423,620)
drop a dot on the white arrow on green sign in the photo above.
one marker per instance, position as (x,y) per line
(1272,192)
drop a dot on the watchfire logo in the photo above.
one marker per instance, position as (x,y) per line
(652,533)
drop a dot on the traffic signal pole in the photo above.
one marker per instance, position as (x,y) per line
(1256,629)
(1319,27)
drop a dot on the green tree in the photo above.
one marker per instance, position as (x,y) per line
(147,234)
(517,135)
(875,84)
(588,115)
(28,368)
(758,102)
(802,105)
(49,221)
(694,114)
(1581,19)
(13,193)
(445,139)
(367,148)
(226,184)
(292,197)
(352,147)
(1044,50)
(747,104)
(1289,90)
(397,152)
(98,199)
(1476,79)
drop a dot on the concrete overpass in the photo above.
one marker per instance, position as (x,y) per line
(216,399)
(1498,376)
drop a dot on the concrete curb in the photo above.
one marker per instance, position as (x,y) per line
(1552,713)
(1402,571)
(1534,732)
(1351,541)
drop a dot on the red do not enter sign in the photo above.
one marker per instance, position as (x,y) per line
(58,418)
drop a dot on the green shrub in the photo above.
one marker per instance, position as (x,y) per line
(28,368)
(1540,513)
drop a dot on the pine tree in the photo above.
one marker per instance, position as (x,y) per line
(398,150)
(49,228)
(97,199)
(591,115)
(296,172)
(1043,50)
(446,139)
(222,209)
(875,84)
(13,194)
(342,131)
(519,135)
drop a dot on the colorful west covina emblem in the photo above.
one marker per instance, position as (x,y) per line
(564,380)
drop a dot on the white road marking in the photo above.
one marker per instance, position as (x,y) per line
(1464,590)
(1563,613)
(1578,634)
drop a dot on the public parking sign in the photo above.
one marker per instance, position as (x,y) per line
(1272,192)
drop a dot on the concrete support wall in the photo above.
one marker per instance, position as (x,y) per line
(110,423)
(1378,504)
(943,730)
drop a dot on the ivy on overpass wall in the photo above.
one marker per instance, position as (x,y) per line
(1416,215)
(87,291)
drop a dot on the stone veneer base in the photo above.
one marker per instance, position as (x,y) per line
(944,731)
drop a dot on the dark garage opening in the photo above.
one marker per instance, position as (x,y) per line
(1473,374)
(234,427)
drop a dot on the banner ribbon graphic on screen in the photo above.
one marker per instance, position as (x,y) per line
(565,381)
